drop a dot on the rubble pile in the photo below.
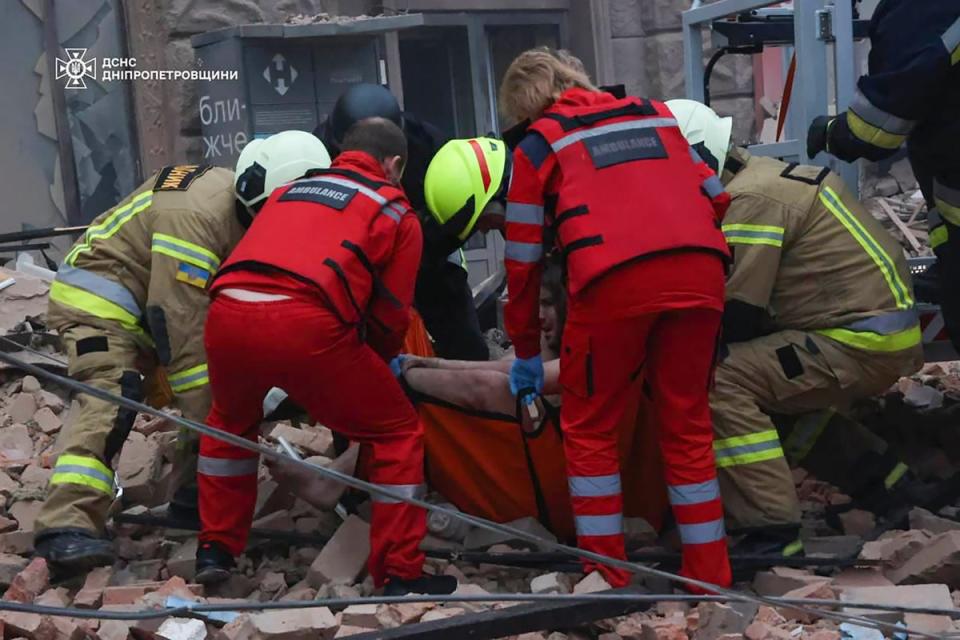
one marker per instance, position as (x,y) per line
(917,562)
(894,198)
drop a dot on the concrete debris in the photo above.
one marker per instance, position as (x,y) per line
(917,566)
(295,624)
(182,629)
(344,556)
(591,584)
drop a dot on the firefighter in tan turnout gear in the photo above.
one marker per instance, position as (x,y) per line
(819,313)
(129,299)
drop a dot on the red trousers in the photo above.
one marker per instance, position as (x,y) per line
(303,349)
(602,363)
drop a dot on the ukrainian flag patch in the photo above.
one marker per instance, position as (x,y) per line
(192,275)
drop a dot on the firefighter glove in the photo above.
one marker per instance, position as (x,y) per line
(396,365)
(526,375)
(817,135)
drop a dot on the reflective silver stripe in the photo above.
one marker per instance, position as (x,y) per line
(100,286)
(523,251)
(701,492)
(577,136)
(947,194)
(594,486)
(951,39)
(227,467)
(343,182)
(86,471)
(747,448)
(524,213)
(713,186)
(702,532)
(408,491)
(880,118)
(611,525)
(888,323)
(181,248)
(394,210)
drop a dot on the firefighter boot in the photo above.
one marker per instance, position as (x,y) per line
(776,540)
(429,585)
(73,552)
(214,563)
(183,508)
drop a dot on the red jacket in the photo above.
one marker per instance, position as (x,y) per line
(347,234)
(617,181)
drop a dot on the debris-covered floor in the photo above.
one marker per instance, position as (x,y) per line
(918,566)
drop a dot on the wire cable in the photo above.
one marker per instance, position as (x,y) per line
(481,523)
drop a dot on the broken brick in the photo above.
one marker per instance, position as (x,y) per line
(361,615)
(592,583)
(35,478)
(15,443)
(442,613)
(183,560)
(315,440)
(343,558)
(91,594)
(31,626)
(47,420)
(29,384)
(22,407)
(938,561)
(555,582)
(346,631)
(25,513)
(297,624)
(858,522)
(815,590)
(923,519)
(10,566)
(49,400)
(16,542)
(139,469)
(7,485)
(278,521)
(761,631)
(29,583)
(716,619)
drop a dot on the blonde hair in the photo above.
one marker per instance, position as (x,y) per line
(536,78)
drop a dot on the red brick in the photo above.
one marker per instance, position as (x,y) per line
(29,583)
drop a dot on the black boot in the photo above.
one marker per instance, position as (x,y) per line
(73,552)
(213,563)
(428,585)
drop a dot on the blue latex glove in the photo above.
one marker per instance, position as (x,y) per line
(396,365)
(526,375)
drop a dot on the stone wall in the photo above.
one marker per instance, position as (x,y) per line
(647,56)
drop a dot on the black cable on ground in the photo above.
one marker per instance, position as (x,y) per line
(481,523)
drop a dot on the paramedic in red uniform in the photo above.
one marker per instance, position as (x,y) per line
(315,300)
(636,214)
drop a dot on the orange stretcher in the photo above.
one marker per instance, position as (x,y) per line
(487,467)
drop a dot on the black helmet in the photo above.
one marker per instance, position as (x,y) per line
(363,101)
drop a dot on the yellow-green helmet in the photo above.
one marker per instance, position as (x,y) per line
(461,180)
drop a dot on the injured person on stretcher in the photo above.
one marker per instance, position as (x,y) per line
(476,456)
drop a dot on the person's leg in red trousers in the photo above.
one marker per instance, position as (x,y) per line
(349,388)
(342,383)
(679,371)
(599,364)
(226,474)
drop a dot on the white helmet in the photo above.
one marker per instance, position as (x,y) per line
(701,124)
(275,161)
